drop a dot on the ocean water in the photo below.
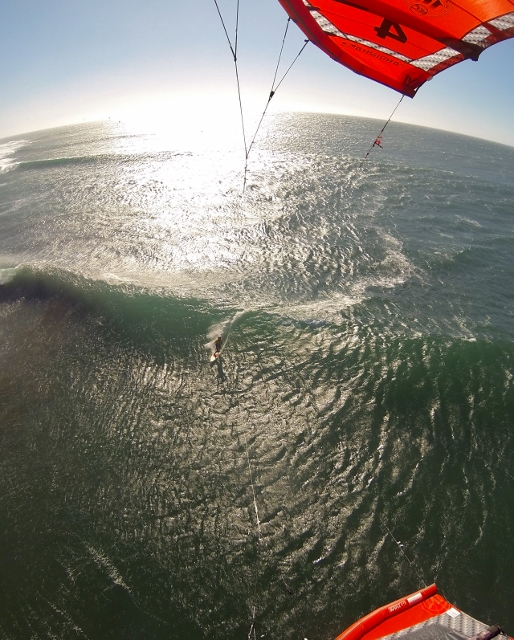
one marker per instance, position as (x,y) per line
(354,442)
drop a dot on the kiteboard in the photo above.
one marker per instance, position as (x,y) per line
(214,357)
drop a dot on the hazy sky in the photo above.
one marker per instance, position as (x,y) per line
(65,61)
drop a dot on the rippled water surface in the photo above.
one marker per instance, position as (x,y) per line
(355,440)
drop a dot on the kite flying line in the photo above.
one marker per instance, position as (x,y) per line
(402,550)
(252,634)
(378,139)
(233,49)
(274,85)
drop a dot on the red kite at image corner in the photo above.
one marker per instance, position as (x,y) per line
(402,43)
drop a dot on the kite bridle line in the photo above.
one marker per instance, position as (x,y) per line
(233,49)
(378,138)
(402,551)
(274,85)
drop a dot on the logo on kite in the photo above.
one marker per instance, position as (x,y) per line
(429,8)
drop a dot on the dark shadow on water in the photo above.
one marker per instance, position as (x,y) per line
(220,374)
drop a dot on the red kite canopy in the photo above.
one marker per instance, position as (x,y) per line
(402,43)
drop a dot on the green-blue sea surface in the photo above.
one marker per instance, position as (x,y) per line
(354,442)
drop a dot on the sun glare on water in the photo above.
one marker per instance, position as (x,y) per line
(184,183)
(188,124)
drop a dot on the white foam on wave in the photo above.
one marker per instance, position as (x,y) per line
(223,329)
(103,562)
(396,267)
(7,149)
(323,310)
(393,270)
(6,275)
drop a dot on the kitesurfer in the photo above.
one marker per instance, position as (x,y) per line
(217,344)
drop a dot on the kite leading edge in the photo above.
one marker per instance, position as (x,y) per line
(402,43)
